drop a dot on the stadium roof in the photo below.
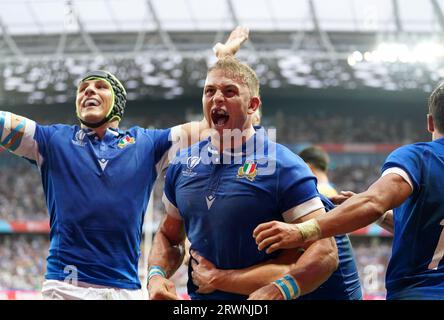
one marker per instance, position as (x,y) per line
(56,16)
(163,47)
(45,27)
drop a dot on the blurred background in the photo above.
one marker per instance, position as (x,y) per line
(351,76)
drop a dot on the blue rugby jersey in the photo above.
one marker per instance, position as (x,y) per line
(344,283)
(97,192)
(221,203)
(416,268)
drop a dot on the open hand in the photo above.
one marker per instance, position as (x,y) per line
(238,36)
(204,273)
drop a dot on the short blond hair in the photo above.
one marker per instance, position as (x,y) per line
(236,69)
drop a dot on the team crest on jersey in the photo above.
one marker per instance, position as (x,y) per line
(79,138)
(125,141)
(192,162)
(248,170)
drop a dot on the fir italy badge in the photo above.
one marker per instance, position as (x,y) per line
(126,141)
(248,170)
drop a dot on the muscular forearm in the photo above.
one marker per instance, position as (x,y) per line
(311,269)
(388,192)
(355,213)
(244,281)
(316,265)
(165,254)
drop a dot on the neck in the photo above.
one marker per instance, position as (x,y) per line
(321,176)
(100,131)
(229,141)
(436,135)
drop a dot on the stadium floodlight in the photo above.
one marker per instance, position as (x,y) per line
(428,51)
(391,52)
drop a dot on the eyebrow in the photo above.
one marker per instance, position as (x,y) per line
(98,81)
(223,86)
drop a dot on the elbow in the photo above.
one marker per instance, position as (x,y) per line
(375,203)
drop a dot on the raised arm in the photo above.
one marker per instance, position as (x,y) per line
(237,37)
(310,267)
(17,135)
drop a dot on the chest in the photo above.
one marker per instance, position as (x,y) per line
(226,194)
(92,157)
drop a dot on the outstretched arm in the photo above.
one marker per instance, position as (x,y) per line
(311,268)
(386,221)
(386,193)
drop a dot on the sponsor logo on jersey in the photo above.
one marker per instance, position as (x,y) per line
(192,162)
(248,170)
(79,138)
(125,141)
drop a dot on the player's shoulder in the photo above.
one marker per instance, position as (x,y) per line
(189,155)
(414,150)
(60,128)
(285,157)
(147,131)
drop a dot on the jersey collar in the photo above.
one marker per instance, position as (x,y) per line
(110,134)
(259,139)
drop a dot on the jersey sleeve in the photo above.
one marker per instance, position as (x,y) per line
(17,135)
(407,158)
(169,195)
(297,192)
(162,144)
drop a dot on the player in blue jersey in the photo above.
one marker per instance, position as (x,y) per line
(411,184)
(97,181)
(219,190)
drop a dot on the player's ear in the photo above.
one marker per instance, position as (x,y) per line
(255,103)
(430,124)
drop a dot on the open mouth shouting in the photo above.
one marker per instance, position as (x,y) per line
(91,102)
(219,117)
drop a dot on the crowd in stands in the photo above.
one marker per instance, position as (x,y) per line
(323,127)
(356,178)
(21,192)
(372,255)
(22,261)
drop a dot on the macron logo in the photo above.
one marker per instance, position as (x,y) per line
(103,163)
(210,199)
